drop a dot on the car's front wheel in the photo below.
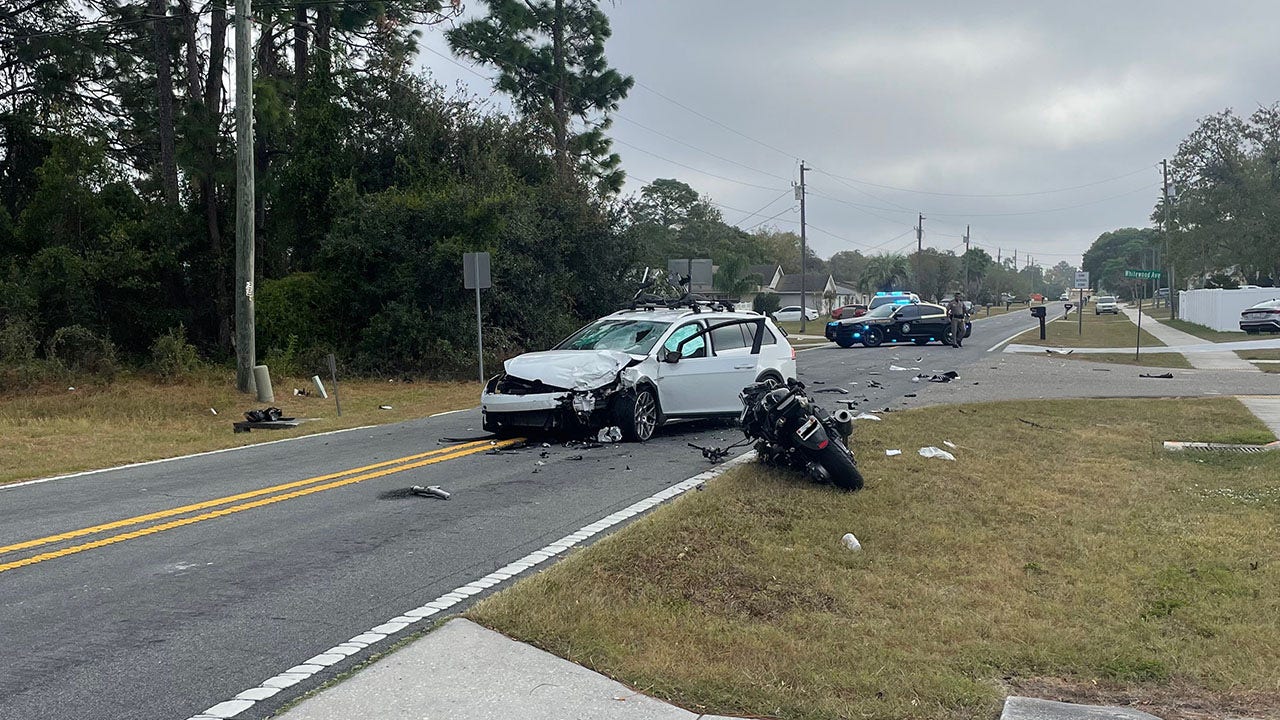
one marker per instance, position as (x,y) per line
(636,414)
(872,337)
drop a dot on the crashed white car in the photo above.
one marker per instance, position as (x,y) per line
(635,369)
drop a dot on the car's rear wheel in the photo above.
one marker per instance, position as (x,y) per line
(872,337)
(636,414)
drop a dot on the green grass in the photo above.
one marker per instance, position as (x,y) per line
(51,430)
(1203,332)
(1262,355)
(1077,554)
(1163,360)
(1095,331)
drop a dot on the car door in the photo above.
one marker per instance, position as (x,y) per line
(700,383)
(932,323)
(906,319)
(732,342)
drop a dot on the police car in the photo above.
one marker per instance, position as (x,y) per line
(895,321)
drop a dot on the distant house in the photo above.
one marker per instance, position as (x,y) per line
(770,275)
(819,291)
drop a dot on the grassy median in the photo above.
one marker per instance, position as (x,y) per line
(54,429)
(1094,331)
(1262,355)
(1062,553)
(1205,333)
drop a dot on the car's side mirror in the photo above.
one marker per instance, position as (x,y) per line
(670,356)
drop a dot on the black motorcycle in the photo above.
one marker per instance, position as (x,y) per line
(790,430)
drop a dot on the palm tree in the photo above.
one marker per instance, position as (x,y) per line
(732,279)
(884,272)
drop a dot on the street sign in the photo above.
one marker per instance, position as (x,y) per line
(1082,280)
(699,270)
(475,271)
(1142,274)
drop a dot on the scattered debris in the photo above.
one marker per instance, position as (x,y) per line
(946,377)
(544,454)
(431,491)
(817,382)
(851,542)
(1221,447)
(892,453)
(873,383)
(909,395)
(895,368)
(865,416)
(384,407)
(873,373)
(582,445)
(1033,424)
(71,389)
(1153,376)
(449,440)
(610,434)
(574,457)
(1058,351)
(298,392)
(539,463)
(1101,369)
(949,444)
(840,390)
(933,452)
(215,412)
(270,414)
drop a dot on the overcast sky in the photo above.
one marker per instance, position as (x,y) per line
(950,100)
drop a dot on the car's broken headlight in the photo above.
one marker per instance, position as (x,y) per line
(584,402)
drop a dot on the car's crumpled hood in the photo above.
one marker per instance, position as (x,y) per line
(571,369)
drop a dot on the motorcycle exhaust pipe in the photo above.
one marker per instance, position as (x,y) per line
(844,422)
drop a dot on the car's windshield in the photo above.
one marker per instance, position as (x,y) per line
(628,335)
(881,300)
(1107,299)
(883,311)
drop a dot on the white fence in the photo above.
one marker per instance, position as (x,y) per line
(1220,309)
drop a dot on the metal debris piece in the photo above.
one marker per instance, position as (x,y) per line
(384,407)
(611,434)
(1221,447)
(431,491)
(840,390)
(1153,376)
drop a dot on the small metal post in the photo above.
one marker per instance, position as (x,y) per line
(480,333)
(333,375)
(1137,350)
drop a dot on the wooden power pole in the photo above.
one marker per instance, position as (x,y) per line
(804,251)
(246,350)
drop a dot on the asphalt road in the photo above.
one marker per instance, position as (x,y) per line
(203,583)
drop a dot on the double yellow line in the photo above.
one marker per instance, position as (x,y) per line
(288,491)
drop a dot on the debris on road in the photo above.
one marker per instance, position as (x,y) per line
(945,377)
(865,416)
(574,457)
(949,444)
(384,407)
(892,453)
(909,395)
(873,384)
(896,368)
(851,542)
(266,419)
(431,491)
(582,445)
(840,390)
(610,434)
(539,463)
(1058,351)
(298,392)
(934,452)
(1153,376)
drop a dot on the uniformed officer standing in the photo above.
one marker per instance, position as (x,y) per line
(955,311)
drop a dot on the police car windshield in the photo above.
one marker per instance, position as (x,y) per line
(627,335)
(883,311)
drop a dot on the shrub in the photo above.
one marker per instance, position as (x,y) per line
(172,356)
(18,342)
(766,303)
(79,349)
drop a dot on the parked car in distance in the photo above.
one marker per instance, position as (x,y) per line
(791,313)
(1064,297)
(848,311)
(1162,293)
(1261,318)
(897,297)
(635,370)
(1106,304)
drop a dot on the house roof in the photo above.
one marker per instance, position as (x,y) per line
(812,283)
(767,272)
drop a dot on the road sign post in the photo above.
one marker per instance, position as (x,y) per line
(1082,284)
(475,276)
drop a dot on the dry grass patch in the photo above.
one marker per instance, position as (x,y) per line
(1074,550)
(50,430)
(1101,331)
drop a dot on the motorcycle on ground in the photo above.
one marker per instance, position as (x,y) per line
(790,430)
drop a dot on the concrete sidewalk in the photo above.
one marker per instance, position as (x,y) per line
(463,671)
(1222,359)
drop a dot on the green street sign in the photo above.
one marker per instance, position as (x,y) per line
(1143,274)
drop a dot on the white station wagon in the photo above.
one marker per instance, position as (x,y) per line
(636,369)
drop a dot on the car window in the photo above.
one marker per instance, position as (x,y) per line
(729,338)
(908,312)
(882,311)
(628,335)
(790,308)
(692,349)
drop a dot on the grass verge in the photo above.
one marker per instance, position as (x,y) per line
(1205,333)
(1068,552)
(1095,331)
(1162,360)
(53,430)
(1262,355)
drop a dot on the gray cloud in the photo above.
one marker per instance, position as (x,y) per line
(990,98)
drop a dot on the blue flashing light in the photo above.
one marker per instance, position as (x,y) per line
(881,294)
(857,335)
(901,302)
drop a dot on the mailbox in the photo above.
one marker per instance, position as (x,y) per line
(1037,311)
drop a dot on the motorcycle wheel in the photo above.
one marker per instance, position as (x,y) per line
(872,337)
(636,414)
(836,459)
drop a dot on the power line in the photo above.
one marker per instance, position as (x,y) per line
(710,119)
(989,195)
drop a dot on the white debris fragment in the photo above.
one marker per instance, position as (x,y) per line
(851,542)
(892,453)
(384,407)
(933,452)
(866,416)
(949,444)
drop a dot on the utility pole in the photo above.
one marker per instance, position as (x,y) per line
(1015,259)
(804,251)
(919,249)
(1173,285)
(966,264)
(246,351)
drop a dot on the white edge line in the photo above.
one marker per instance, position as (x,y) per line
(451,412)
(10,486)
(1009,339)
(388,630)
